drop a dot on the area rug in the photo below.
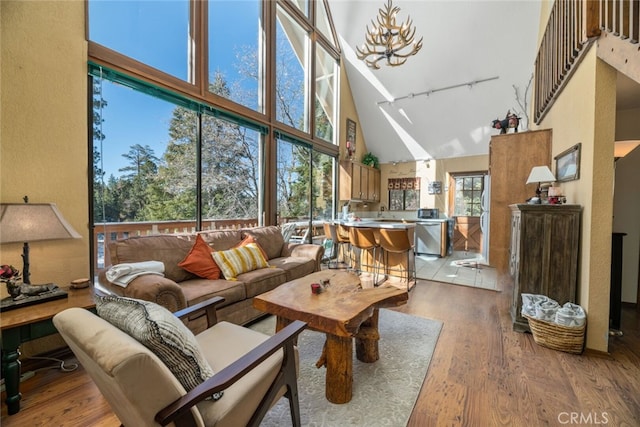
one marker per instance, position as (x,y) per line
(384,392)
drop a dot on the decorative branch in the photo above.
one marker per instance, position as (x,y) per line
(523,103)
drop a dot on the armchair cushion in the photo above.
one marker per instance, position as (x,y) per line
(200,262)
(161,332)
(240,260)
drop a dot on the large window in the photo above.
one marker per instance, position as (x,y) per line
(204,92)
(235,55)
(292,63)
(155,33)
(326,96)
(138,175)
(305,186)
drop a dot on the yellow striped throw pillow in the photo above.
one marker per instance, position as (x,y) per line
(239,260)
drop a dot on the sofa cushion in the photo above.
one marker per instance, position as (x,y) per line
(167,248)
(262,280)
(239,260)
(295,267)
(198,290)
(159,330)
(269,238)
(250,239)
(221,240)
(200,262)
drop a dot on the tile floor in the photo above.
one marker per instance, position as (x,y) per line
(460,268)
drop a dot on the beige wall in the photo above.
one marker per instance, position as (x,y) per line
(43,152)
(584,112)
(43,133)
(429,171)
(348,111)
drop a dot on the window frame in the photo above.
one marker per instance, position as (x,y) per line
(453,191)
(137,71)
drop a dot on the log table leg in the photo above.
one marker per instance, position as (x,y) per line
(339,361)
(367,340)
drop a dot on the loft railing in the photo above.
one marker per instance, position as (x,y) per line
(572,28)
(618,45)
(621,18)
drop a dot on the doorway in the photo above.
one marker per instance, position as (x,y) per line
(465,206)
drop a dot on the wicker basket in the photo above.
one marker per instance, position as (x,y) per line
(557,337)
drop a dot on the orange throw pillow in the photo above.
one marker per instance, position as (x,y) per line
(250,239)
(200,262)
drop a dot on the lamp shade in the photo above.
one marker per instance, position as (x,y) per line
(541,174)
(31,222)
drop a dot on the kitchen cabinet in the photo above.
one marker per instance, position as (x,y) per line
(359,182)
(544,254)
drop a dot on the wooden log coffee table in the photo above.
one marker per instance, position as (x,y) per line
(343,311)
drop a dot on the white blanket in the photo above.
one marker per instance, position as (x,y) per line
(123,274)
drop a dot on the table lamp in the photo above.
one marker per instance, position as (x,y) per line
(540,174)
(31,222)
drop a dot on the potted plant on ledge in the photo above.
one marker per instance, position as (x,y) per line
(370,159)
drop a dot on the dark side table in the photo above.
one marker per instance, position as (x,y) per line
(29,323)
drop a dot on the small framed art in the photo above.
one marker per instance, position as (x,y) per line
(568,164)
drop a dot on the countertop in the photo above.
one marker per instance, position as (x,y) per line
(368,222)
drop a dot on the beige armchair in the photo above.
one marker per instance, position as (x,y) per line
(252,370)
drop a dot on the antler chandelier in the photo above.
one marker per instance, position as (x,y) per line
(387,40)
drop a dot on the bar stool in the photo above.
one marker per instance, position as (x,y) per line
(365,240)
(343,239)
(397,241)
(331,233)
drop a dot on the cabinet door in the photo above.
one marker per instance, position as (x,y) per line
(373,187)
(364,183)
(561,257)
(356,183)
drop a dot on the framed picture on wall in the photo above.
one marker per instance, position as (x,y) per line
(568,164)
(435,187)
(351,138)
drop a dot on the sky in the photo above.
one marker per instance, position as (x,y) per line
(156,33)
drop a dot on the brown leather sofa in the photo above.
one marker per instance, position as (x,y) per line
(179,288)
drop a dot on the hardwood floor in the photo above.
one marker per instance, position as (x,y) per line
(482,373)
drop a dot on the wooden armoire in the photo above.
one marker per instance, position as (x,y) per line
(511,157)
(544,254)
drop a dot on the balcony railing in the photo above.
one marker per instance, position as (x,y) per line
(573,26)
(106,233)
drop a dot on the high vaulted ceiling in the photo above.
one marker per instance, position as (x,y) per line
(464,41)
